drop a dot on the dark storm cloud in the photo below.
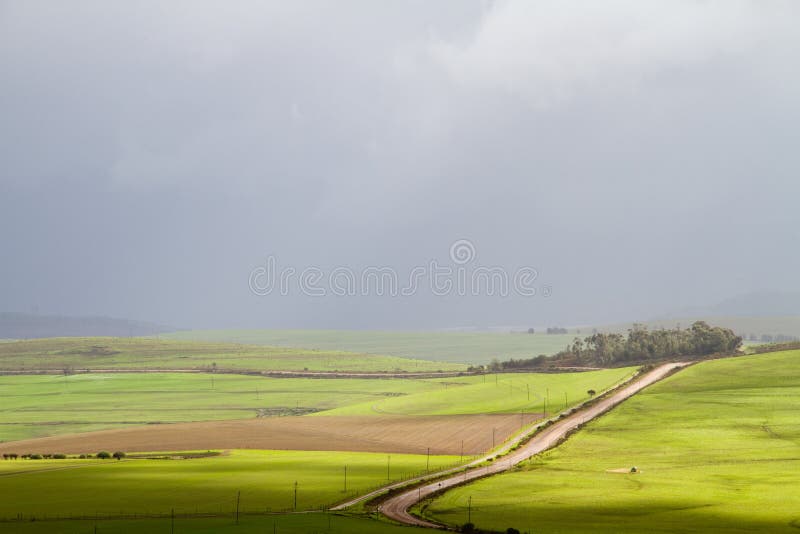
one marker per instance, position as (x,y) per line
(640,155)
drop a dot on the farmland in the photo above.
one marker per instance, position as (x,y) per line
(475,348)
(373,433)
(42,405)
(716,447)
(495,393)
(76,354)
(202,485)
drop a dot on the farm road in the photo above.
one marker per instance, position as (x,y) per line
(397,506)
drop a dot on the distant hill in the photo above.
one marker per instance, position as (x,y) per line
(28,326)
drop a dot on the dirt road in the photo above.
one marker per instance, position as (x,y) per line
(397,506)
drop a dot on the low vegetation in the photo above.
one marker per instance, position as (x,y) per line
(474,348)
(75,355)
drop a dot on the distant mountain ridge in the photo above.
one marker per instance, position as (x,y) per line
(29,326)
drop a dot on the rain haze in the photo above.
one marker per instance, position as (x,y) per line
(640,158)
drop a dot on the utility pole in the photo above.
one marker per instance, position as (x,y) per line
(469,510)
(238,496)
(388,463)
(462,450)
(493,429)
(428,461)
(565,400)
(345,479)
(295,495)
(172,523)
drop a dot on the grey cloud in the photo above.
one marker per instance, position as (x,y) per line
(151,154)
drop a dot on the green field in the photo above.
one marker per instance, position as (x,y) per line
(475,348)
(199,485)
(717,446)
(501,393)
(74,354)
(42,405)
(303,523)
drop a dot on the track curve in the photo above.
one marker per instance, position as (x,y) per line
(397,506)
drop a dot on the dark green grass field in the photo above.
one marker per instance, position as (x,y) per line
(475,348)
(717,446)
(264,481)
(302,523)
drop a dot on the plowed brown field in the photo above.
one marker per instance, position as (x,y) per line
(400,434)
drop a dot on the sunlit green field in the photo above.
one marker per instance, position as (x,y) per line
(264,479)
(717,446)
(474,348)
(501,393)
(74,354)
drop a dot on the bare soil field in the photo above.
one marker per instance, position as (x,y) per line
(395,433)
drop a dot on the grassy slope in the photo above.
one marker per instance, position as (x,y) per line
(718,446)
(202,485)
(42,405)
(151,353)
(463,347)
(503,393)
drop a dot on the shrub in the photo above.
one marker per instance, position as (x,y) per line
(103,455)
(35,456)
(119,455)
(512,530)
(59,456)
(82,456)
(468,527)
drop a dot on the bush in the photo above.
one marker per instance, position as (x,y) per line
(59,456)
(512,530)
(103,455)
(35,456)
(468,527)
(119,455)
(82,456)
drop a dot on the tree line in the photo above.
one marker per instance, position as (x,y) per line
(639,345)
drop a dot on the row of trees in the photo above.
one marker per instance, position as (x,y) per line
(640,344)
(103,455)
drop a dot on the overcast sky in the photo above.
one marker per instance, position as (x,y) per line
(641,156)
